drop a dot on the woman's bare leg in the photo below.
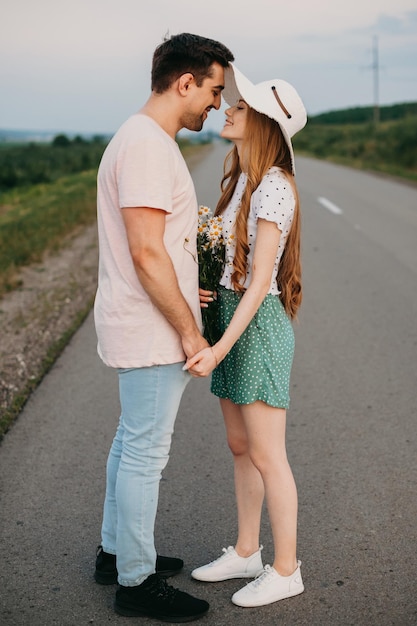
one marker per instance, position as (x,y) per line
(249,486)
(265,428)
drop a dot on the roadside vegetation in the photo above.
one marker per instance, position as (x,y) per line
(32,163)
(351,137)
(39,219)
(47,194)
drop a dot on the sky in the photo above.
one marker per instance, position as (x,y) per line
(83,66)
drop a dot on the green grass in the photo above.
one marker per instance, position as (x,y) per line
(39,219)
(389,147)
(33,163)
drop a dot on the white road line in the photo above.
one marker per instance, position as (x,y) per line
(333,208)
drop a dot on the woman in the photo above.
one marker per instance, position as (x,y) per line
(258,295)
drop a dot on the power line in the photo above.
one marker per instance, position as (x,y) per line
(375,68)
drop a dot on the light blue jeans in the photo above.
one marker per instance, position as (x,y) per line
(149,399)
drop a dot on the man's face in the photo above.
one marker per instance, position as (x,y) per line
(202,99)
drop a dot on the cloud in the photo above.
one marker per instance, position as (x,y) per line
(403,25)
(85,64)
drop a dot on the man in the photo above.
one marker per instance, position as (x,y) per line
(147,313)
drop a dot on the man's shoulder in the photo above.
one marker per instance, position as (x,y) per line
(140,132)
(138,124)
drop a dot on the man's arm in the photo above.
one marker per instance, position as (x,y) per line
(145,229)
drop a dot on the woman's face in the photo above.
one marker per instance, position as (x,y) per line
(235,124)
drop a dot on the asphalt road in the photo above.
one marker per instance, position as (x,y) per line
(351,440)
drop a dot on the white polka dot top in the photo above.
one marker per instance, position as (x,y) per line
(273,200)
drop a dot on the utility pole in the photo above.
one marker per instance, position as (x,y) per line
(375,67)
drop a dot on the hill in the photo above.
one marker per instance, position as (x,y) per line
(361,115)
(351,137)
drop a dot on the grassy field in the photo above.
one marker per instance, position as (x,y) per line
(22,165)
(389,147)
(38,219)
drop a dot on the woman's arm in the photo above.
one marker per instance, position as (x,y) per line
(266,248)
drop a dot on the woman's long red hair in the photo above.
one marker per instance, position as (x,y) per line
(263,148)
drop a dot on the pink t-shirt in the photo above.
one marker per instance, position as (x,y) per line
(142,167)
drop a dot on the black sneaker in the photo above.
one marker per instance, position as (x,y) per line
(106,571)
(155,598)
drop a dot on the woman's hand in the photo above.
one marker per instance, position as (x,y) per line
(202,363)
(206,297)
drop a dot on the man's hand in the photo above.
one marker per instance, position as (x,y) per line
(202,363)
(193,345)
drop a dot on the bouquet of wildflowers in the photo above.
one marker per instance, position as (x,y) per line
(211,258)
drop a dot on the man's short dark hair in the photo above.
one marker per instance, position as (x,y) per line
(185,53)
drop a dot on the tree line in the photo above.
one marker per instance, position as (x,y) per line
(32,163)
(362,115)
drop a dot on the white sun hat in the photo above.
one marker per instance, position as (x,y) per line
(275,98)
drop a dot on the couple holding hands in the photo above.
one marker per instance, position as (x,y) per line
(148,321)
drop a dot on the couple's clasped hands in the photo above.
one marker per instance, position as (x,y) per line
(202,363)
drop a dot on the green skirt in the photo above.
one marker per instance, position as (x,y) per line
(258,366)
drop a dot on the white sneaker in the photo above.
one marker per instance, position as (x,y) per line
(269,587)
(230,565)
